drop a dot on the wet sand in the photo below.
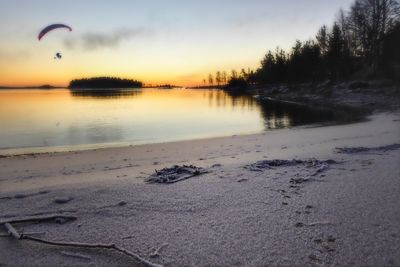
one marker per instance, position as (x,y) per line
(342,212)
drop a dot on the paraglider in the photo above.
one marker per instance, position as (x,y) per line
(44,31)
(51,28)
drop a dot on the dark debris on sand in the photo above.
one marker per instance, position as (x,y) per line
(271,164)
(175,174)
(354,150)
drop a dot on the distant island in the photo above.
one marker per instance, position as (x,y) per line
(104,83)
(163,86)
(46,86)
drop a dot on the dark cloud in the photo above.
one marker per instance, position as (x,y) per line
(93,41)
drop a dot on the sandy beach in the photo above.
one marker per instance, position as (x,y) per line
(331,206)
(200,133)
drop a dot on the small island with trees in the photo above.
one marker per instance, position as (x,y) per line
(104,83)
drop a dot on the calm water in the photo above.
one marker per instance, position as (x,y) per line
(45,120)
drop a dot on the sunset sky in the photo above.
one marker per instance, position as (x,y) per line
(156,41)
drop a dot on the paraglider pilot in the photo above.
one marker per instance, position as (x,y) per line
(58,56)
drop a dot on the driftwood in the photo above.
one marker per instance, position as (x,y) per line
(175,174)
(27,233)
(156,252)
(58,212)
(87,245)
(58,218)
(12,231)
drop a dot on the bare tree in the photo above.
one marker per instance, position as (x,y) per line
(234,74)
(218,78)
(368,22)
(243,74)
(210,79)
(224,77)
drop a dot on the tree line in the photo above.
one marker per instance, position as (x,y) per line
(223,78)
(363,41)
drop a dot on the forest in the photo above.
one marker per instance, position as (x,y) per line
(362,43)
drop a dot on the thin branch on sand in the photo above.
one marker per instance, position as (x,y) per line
(12,231)
(58,218)
(27,233)
(156,252)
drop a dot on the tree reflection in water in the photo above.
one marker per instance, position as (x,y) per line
(108,93)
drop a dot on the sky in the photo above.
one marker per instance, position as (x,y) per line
(155,41)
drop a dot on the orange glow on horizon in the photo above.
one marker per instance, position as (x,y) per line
(38,78)
(186,68)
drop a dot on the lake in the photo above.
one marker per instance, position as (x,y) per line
(35,120)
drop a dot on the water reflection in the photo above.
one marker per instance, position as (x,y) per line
(276,114)
(37,118)
(109,93)
(222,99)
(93,134)
(279,114)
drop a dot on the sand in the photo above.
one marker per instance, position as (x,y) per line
(343,211)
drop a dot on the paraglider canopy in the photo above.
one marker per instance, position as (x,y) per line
(52,27)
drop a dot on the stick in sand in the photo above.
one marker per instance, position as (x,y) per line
(40,218)
(16,235)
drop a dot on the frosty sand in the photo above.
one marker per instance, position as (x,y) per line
(318,205)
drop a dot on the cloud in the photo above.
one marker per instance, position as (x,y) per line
(93,41)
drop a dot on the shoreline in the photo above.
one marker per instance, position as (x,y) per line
(97,147)
(141,160)
(132,154)
(332,207)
